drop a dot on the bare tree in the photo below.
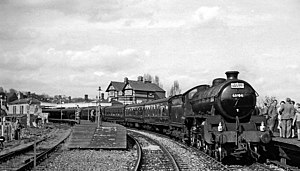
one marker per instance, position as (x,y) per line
(155,79)
(148,77)
(175,89)
(267,99)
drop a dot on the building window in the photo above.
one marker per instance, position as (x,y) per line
(14,109)
(130,98)
(112,93)
(128,92)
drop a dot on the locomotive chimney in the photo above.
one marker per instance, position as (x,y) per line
(232,75)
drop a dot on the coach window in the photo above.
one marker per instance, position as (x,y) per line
(14,109)
(146,111)
(21,109)
(164,113)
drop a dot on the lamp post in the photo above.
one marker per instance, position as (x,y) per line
(2,117)
(99,113)
(61,109)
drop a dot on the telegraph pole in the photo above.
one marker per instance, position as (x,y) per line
(99,113)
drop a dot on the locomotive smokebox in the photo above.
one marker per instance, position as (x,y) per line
(232,75)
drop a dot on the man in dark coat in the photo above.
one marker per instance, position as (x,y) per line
(272,112)
(287,111)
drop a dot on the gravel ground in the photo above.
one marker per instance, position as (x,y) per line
(188,157)
(93,160)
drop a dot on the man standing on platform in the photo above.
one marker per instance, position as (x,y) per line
(287,111)
(92,115)
(100,116)
(77,114)
(272,112)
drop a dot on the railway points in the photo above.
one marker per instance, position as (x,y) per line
(26,155)
(87,135)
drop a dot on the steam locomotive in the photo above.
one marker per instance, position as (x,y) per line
(219,118)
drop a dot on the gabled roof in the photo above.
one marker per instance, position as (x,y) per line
(142,86)
(26,101)
(117,85)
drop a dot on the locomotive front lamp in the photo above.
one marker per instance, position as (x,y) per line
(262,127)
(220,127)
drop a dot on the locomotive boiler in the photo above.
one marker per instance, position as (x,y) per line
(230,98)
(221,118)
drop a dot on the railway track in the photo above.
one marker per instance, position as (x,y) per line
(28,156)
(154,156)
(186,157)
(206,162)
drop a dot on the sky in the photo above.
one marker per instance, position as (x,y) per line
(71,47)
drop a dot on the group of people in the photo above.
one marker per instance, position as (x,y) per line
(288,116)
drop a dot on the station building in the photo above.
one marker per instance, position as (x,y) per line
(131,92)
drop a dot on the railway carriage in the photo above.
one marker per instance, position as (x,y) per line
(134,115)
(156,115)
(114,114)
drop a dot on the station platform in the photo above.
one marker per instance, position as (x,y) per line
(287,150)
(87,135)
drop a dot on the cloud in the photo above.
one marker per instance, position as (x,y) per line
(101,57)
(292,66)
(205,14)
(24,60)
(78,70)
(95,11)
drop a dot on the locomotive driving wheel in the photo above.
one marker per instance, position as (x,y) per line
(193,140)
(208,149)
(200,142)
(185,135)
(219,153)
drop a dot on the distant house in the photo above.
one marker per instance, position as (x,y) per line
(130,91)
(24,106)
(29,107)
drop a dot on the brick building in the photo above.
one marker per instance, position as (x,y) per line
(130,91)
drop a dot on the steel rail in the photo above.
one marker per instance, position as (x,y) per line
(138,162)
(165,150)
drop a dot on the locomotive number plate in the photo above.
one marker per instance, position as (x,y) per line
(237,95)
(237,85)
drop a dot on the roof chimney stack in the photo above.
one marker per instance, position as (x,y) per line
(140,78)
(232,75)
(125,80)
